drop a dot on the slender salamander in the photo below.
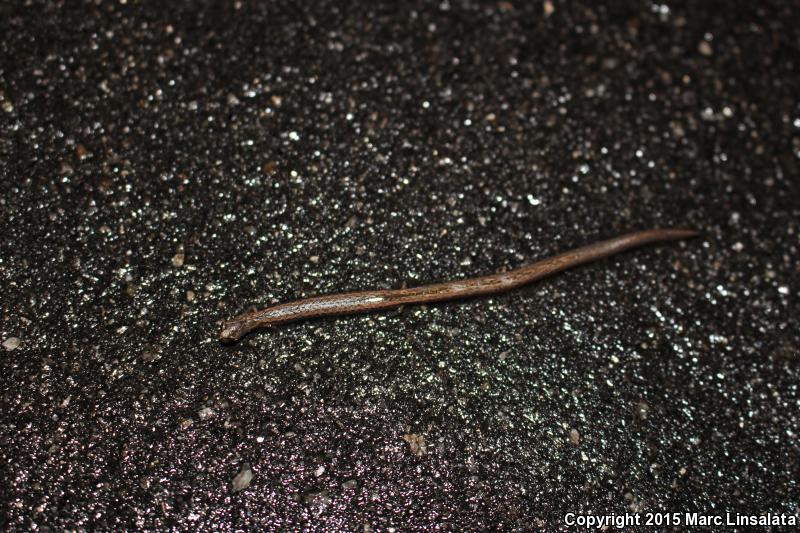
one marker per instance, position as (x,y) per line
(365,301)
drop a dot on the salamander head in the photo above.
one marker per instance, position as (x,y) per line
(234,329)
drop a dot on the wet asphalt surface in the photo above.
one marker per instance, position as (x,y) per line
(164,168)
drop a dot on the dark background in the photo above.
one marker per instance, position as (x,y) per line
(288,151)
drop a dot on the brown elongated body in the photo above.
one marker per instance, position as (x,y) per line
(366,301)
